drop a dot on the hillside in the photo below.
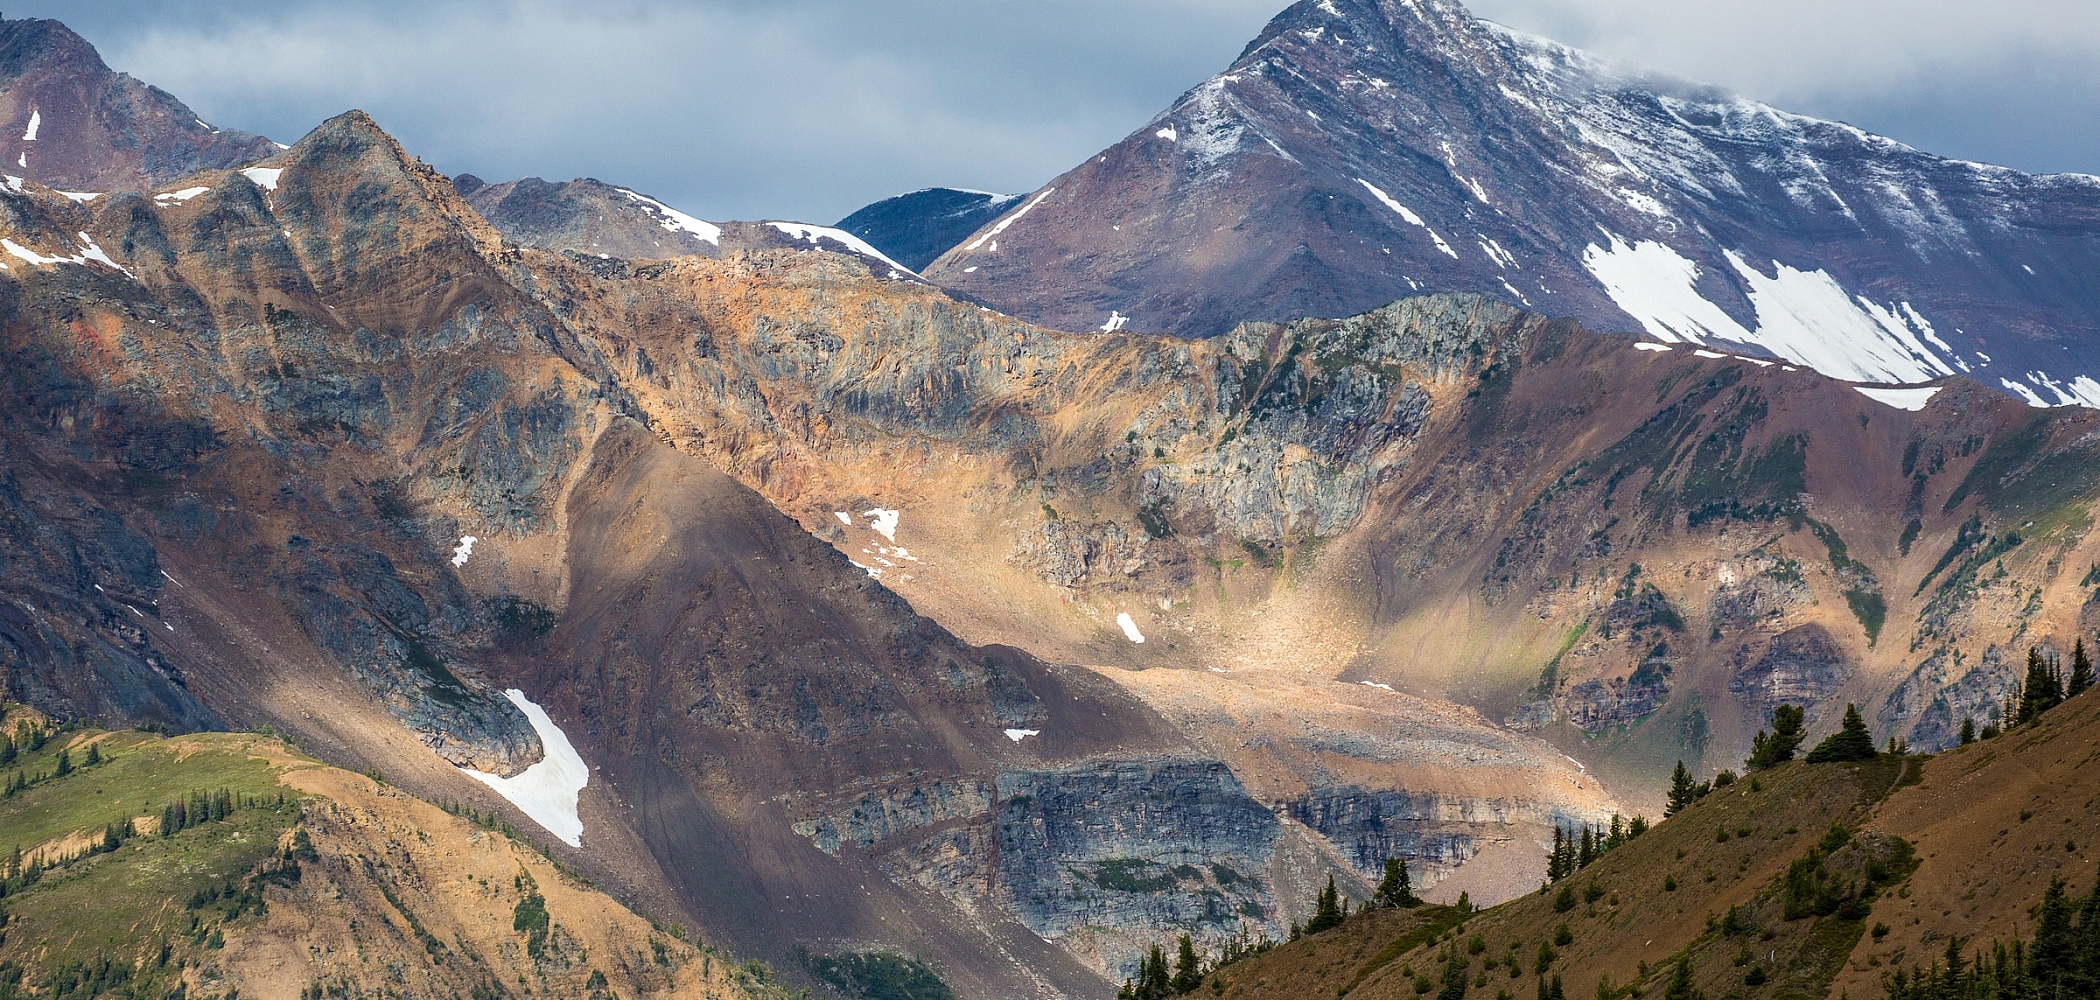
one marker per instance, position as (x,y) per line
(1957,846)
(916,227)
(285,878)
(815,609)
(1362,150)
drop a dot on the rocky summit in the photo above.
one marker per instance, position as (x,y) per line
(1363,150)
(689,590)
(73,124)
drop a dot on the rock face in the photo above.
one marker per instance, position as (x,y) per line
(917,227)
(73,124)
(1800,666)
(1361,150)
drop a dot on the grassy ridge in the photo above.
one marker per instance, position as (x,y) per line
(99,901)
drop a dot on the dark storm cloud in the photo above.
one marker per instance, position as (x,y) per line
(809,108)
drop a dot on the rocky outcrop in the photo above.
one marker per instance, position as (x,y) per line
(1756,589)
(1108,849)
(875,817)
(1800,667)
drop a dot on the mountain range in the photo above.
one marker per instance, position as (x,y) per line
(1363,150)
(838,614)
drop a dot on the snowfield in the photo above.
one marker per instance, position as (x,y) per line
(546,791)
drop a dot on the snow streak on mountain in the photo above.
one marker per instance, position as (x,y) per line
(1363,150)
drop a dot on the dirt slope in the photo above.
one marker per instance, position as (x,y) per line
(1963,862)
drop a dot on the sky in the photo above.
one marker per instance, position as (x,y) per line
(808,109)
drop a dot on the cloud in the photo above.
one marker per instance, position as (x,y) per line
(2011,82)
(804,109)
(807,109)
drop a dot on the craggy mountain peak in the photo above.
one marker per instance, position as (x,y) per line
(1362,150)
(73,123)
(589,217)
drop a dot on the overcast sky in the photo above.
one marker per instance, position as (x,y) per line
(807,109)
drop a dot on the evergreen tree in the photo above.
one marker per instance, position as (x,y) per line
(1682,791)
(1188,969)
(1327,910)
(1395,889)
(1789,728)
(1553,859)
(1968,730)
(7,751)
(1454,978)
(1617,835)
(65,765)
(2042,690)
(2054,942)
(94,755)
(1556,993)
(1681,986)
(1852,741)
(2081,672)
(1152,980)
(1589,847)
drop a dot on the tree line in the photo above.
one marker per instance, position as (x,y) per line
(1156,980)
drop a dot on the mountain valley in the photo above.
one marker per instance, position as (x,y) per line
(736,579)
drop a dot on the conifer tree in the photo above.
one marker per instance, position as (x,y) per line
(1682,791)
(1789,724)
(1681,986)
(1395,889)
(1617,835)
(1327,910)
(1553,860)
(1968,730)
(65,765)
(1852,741)
(1454,977)
(1589,847)
(2042,690)
(2081,672)
(1188,969)
(94,755)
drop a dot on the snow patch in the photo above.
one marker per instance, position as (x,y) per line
(81,197)
(1707,354)
(1409,215)
(178,197)
(264,177)
(885,522)
(2023,392)
(1169,134)
(463,550)
(546,791)
(1375,684)
(1803,316)
(1130,629)
(676,221)
(1011,219)
(844,518)
(1116,321)
(1017,735)
(36,120)
(1902,399)
(1651,347)
(804,231)
(91,253)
